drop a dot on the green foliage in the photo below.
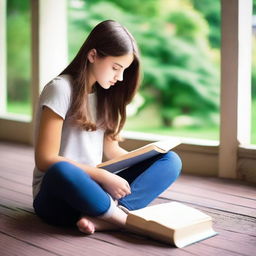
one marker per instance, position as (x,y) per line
(176,38)
(17,6)
(178,70)
(18,50)
(22,108)
(211,11)
(147,8)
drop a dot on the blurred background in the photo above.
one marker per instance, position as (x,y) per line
(180,49)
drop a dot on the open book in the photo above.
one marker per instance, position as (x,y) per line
(173,223)
(138,155)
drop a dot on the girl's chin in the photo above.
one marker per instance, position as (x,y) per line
(106,86)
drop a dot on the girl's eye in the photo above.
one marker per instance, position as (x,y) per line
(114,68)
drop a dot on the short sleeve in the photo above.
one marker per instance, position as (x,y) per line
(56,95)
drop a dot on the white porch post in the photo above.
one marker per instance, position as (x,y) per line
(49,42)
(235,82)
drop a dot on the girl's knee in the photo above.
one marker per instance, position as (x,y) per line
(61,169)
(173,157)
(65,173)
(59,166)
(173,162)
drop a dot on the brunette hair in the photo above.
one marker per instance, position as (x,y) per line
(109,38)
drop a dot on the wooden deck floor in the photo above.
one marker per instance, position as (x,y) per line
(232,204)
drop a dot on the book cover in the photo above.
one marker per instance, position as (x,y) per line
(138,155)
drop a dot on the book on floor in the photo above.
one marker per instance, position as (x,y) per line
(173,223)
(138,155)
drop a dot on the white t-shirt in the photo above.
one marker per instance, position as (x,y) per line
(82,146)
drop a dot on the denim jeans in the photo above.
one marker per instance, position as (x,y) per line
(67,192)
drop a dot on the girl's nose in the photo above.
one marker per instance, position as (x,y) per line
(119,77)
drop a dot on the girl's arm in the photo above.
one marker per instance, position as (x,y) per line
(48,142)
(47,153)
(112,148)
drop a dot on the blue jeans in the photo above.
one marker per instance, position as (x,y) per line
(67,192)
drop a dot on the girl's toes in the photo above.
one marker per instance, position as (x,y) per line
(85,226)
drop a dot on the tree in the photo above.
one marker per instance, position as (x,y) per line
(211,12)
(179,70)
(179,73)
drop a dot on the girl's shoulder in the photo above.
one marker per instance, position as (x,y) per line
(57,93)
(59,86)
(60,83)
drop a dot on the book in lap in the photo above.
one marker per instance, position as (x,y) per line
(172,223)
(138,155)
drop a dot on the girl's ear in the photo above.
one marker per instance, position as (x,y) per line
(92,55)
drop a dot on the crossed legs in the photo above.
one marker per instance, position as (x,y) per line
(68,196)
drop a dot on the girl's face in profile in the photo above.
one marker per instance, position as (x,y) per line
(107,70)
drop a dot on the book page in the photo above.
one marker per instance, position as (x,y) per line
(167,145)
(174,215)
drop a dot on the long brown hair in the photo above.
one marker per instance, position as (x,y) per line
(109,38)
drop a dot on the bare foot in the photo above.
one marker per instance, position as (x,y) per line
(89,225)
(116,220)
(85,226)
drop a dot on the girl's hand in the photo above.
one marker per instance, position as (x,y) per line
(116,186)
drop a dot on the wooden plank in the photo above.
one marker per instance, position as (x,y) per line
(21,170)
(227,186)
(124,240)
(26,206)
(17,178)
(71,242)
(12,246)
(210,203)
(15,186)
(235,242)
(230,203)
(15,196)
(14,151)
(206,250)
(244,243)
(231,222)
(51,238)
(239,200)
(138,243)
(141,245)
(17,200)
(17,166)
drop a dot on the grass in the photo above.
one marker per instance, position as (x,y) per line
(148,121)
(23,108)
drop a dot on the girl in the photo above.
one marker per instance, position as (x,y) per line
(80,115)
